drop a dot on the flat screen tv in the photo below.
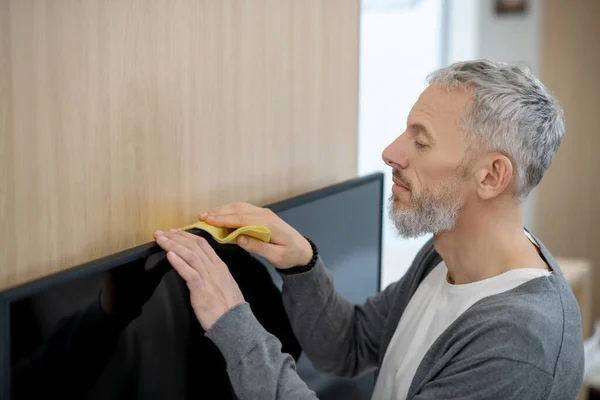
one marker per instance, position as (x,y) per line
(55,339)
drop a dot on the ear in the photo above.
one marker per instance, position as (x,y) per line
(493,175)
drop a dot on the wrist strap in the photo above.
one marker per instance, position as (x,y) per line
(303,268)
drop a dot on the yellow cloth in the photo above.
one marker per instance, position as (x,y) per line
(228,235)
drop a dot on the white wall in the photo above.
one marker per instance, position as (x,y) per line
(398,48)
(462,37)
(476,31)
(510,37)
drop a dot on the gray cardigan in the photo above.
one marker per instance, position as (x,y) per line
(522,344)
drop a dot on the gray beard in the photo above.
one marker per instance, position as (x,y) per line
(424,217)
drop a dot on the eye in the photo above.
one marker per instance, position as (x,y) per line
(420,145)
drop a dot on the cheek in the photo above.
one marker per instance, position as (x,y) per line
(436,175)
(430,171)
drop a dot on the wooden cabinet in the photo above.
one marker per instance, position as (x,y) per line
(118,118)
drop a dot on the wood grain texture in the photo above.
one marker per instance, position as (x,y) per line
(122,117)
(568,215)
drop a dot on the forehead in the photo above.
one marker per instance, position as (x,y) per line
(441,111)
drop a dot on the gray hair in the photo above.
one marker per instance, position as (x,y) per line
(512,112)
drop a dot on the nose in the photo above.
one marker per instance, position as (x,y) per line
(394,155)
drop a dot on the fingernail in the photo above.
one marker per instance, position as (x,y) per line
(243,240)
(158,232)
(203,215)
(173,230)
(162,239)
(211,217)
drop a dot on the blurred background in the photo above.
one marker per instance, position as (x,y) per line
(121,117)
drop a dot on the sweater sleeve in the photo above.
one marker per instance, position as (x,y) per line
(338,337)
(488,378)
(257,368)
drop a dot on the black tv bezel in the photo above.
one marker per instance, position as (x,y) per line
(18,292)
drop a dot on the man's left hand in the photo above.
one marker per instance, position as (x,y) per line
(213,291)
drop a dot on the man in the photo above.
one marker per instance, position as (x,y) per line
(483,313)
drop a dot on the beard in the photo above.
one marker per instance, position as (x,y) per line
(430,211)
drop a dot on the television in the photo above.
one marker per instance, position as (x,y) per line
(51,341)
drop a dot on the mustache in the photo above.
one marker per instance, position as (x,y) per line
(396,173)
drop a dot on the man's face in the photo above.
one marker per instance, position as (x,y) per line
(429,170)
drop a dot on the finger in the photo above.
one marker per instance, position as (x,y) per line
(195,259)
(216,210)
(272,252)
(189,274)
(228,220)
(208,249)
(238,220)
(202,244)
(238,214)
(185,238)
(236,208)
(231,208)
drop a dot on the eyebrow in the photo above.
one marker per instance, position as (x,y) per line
(422,129)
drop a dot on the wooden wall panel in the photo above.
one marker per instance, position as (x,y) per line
(121,117)
(568,215)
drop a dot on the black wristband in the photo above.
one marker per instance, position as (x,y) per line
(303,268)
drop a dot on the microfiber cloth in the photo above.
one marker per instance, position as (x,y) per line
(228,235)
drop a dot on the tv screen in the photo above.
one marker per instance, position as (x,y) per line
(55,339)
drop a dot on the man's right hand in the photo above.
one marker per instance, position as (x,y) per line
(287,248)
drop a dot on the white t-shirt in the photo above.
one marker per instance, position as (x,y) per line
(434,306)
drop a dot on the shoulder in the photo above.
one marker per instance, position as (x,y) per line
(531,324)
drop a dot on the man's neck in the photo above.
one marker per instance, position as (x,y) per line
(485,244)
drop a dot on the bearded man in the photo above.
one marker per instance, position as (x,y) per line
(484,312)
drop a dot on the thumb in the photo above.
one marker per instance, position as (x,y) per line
(255,246)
